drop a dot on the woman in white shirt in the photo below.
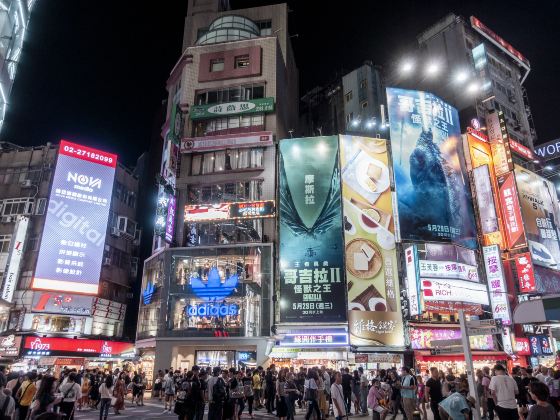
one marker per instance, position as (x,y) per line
(311,394)
(105,393)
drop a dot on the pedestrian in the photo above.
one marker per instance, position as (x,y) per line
(421,402)
(157,388)
(257,388)
(542,410)
(282,401)
(395,383)
(45,399)
(7,403)
(311,394)
(554,388)
(249,393)
(504,389)
(120,393)
(169,391)
(364,383)
(355,383)
(433,392)
(374,398)
(337,396)
(84,401)
(70,391)
(270,388)
(105,394)
(25,394)
(347,388)
(455,406)
(408,392)
(216,395)
(292,395)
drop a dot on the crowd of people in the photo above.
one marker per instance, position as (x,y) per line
(229,394)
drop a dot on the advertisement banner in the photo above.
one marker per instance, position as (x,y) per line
(227,211)
(312,286)
(252,106)
(412,280)
(499,144)
(434,202)
(539,207)
(525,272)
(496,283)
(226,141)
(547,151)
(10,345)
(374,313)
(14,258)
(73,238)
(170,222)
(522,346)
(421,338)
(54,346)
(448,270)
(489,221)
(511,212)
(454,291)
(521,150)
(61,303)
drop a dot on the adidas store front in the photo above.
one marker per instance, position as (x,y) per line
(206,306)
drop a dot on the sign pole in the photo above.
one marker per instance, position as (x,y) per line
(469,364)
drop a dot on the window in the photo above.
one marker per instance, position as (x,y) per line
(217,64)
(348,96)
(363,84)
(5,243)
(349,117)
(225,193)
(227,160)
(242,61)
(121,192)
(230,94)
(33,243)
(228,123)
(364,104)
(16,206)
(196,161)
(40,207)
(265,27)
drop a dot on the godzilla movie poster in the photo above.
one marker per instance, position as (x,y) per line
(312,286)
(433,197)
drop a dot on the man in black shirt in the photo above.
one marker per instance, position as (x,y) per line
(433,392)
(347,388)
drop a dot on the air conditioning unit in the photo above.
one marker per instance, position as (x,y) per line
(115,232)
(126,227)
(107,261)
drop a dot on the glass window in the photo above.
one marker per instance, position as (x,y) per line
(257,158)
(233,122)
(195,167)
(5,243)
(257,120)
(208,163)
(348,96)
(364,104)
(219,161)
(212,97)
(243,160)
(242,61)
(363,84)
(258,91)
(245,121)
(217,64)
(234,94)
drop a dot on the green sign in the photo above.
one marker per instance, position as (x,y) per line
(253,106)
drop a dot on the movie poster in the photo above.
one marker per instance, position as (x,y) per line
(539,208)
(433,196)
(374,313)
(312,286)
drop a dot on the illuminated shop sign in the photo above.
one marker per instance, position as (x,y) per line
(521,150)
(226,141)
(511,211)
(548,150)
(10,345)
(421,338)
(540,345)
(61,303)
(229,211)
(499,142)
(253,106)
(212,309)
(448,270)
(170,222)
(14,260)
(496,283)
(247,356)
(322,339)
(73,238)
(148,293)
(412,280)
(525,272)
(54,346)
(454,290)
(522,346)
(213,288)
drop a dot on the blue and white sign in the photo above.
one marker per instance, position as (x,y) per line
(213,289)
(336,339)
(148,293)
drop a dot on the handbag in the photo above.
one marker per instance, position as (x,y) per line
(113,401)
(237,393)
(310,394)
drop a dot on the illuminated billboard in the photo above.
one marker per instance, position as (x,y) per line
(14,260)
(228,211)
(511,213)
(433,195)
(73,238)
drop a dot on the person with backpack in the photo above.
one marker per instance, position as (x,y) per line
(247,382)
(311,395)
(25,394)
(184,403)
(169,391)
(106,394)
(216,395)
(70,391)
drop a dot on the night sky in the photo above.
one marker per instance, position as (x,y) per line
(95,72)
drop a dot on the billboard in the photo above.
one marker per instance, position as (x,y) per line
(434,202)
(312,286)
(228,211)
(496,283)
(539,207)
(226,141)
(412,280)
(14,258)
(511,213)
(73,238)
(499,142)
(421,337)
(58,346)
(489,222)
(549,150)
(250,106)
(525,272)
(61,303)
(170,222)
(374,313)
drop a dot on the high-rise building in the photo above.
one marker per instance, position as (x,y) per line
(468,65)
(14,19)
(68,252)
(208,288)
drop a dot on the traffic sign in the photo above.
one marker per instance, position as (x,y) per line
(483,331)
(446,343)
(446,350)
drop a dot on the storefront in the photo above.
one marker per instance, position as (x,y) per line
(376,361)
(10,346)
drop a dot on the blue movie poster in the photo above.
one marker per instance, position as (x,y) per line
(433,196)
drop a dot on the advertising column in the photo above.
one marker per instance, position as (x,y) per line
(312,287)
(374,313)
(74,234)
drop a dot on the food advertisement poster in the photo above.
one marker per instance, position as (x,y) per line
(434,202)
(539,207)
(374,312)
(312,286)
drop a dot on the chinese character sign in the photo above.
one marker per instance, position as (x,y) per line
(74,235)
(539,207)
(374,313)
(496,283)
(434,202)
(525,272)
(511,213)
(311,250)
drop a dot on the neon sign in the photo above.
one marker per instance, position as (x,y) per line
(213,289)
(148,293)
(212,309)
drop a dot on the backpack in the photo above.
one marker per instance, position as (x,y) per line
(219,391)
(169,386)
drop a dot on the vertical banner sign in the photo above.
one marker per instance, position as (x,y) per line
(312,286)
(412,280)
(496,284)
(434,202)
(511,213)
(525,272)
(499,144)
(374,314)
(485,199)
(14,258)
(539,207)
(170,223)
(73,238)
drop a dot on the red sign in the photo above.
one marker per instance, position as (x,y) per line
(511,213)
(525,273)
(52,346)
(498,41)
(522,346)
(478,134)
(521,150)
(87,153)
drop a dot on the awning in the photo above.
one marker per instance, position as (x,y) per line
(538,311)
(425,356)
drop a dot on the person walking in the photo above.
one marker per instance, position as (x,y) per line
(45,399)
(337,396)
(120,393)
(216,395)
(408,392)
(105,394)
(542,410)
(25,394)
(249,393)
(363,390)
(70,391)
(504,389)
(433,392)
(169,391)
(7,403)
(311,395)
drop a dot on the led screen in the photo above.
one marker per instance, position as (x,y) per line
(73,238)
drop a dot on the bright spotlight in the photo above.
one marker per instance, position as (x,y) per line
(461,76)
(369,124)
(407,66)
(432,68)
(548,168)
(355,123)
(473,87)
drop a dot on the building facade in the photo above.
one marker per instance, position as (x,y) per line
(31,310)
(207,290)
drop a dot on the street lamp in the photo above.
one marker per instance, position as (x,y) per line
(432,69)
(407,66)
(461,76)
